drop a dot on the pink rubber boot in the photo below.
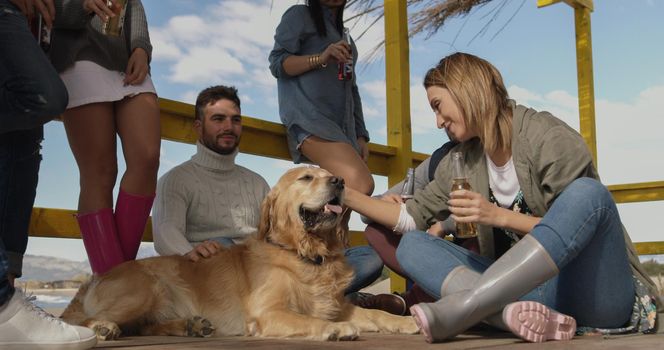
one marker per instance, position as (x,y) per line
(131,215)
(100,238)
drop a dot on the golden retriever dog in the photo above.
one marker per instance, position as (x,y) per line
(287,281)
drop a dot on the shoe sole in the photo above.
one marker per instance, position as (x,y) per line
(421,321)
(82,344)
(536,323)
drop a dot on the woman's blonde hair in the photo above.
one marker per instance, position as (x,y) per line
(478,90)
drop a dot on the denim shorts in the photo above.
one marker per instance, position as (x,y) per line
(300,135)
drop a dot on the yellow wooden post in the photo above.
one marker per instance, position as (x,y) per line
(584,63)
(397,81)
(584,69)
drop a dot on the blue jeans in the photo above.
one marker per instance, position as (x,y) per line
(364,261)
(31,94)
(582,233)
(366,264)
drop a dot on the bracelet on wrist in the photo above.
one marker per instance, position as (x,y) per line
(315,62)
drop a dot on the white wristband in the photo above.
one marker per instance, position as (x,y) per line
(406,222)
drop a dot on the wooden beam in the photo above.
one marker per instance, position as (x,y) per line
(573,3)
(397,79)
(638,192)
(584,62)
(544,3)
(649,248)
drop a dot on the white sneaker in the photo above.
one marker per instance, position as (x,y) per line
(26,326)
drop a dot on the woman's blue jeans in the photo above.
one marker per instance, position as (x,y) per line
(582,233)
(31,93)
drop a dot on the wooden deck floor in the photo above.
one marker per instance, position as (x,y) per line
(493,341)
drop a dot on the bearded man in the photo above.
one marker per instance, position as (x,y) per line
(209,201)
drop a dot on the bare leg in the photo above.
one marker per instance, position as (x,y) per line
(91,134)
(140,132)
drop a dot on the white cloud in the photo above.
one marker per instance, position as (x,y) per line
(206,65)
(189,97)
(629,134)
(371,113)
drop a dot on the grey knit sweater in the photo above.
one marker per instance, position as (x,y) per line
(77,36)
(205,197)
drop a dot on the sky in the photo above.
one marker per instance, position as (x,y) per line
(204,42)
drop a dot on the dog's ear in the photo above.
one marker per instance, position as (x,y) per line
(265,224)
(343,237)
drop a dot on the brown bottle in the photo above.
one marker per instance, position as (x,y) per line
(113,26)
(460,182)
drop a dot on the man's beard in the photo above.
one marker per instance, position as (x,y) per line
(211,143)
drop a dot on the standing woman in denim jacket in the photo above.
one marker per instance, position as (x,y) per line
(322,114)
(321,111)
(111,94)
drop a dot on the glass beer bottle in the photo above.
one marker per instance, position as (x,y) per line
(113,26)
(408,189)
(460,182)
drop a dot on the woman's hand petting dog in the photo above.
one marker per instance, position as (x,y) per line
(204,250)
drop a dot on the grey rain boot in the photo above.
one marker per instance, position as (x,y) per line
(528,320)
(520,269)
(463,278)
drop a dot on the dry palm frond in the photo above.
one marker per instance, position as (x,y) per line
(429,16)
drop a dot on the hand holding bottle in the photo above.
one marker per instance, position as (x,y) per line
(471,207)
(339,51)
(465,227)
(100,8)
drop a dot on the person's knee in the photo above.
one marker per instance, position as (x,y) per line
(360,181)
(102,176)
(145,162)
(590,189)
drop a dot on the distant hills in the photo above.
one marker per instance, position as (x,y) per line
(48,268)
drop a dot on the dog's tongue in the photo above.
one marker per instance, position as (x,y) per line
(333,208)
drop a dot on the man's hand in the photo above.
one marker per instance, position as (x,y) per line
(137,67)
(100,8)
(44,7)
(204,250)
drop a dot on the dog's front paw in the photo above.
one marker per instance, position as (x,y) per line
(105,330)
(397,324)
(199,327)
(407,326)
(340,331)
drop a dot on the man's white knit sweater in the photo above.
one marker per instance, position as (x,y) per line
(205,197)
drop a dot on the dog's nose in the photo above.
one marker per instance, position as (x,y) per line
(337,181)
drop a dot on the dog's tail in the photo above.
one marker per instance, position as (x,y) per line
(74,313)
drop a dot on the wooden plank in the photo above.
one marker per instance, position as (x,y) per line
(584,66)
(544,3)
(649,248)
(638,192)
(61,223)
